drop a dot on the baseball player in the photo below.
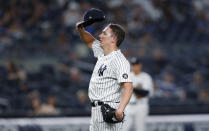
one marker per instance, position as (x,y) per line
(137,110)
(111,73)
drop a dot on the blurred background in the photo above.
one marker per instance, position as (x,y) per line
(45,68)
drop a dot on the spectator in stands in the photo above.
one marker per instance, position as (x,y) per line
(49,108)
(23,89)
(21,100)
(136,23)
(76,79)
(203,95)
(82,51)
(5,42)
(196,86)
(82,100)
(203,23)
(167,86)
(200,4)
(35,106)
(71,15)
(63,40)
(86,5)
(12,71)
(16,31)
(61,3)
(120,15)
(157,93)
(150,9)
(38,108)
(46,35)
(75,75)
(63,75)
(159,61)
(37,14)
(15,73)
(205,63)
(198,81)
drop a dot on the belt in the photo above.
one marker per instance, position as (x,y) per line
(96,103)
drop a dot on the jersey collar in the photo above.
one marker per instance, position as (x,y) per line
(109,56)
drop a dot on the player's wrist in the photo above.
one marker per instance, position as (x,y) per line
(120,110)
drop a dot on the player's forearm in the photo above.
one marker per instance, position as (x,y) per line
(86,37)
(126,95)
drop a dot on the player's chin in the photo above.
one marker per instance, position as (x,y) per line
(101,43)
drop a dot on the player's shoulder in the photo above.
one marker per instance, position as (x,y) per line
(146,75)
(97,49)
(120,58)
(96,41)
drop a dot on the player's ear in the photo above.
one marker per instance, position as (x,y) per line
(115,39)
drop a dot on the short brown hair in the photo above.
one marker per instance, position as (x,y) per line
(119,32)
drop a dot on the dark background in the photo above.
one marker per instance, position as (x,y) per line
(45,68)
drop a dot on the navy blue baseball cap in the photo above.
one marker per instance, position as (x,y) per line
(94,14)
(135,60)
(91,16)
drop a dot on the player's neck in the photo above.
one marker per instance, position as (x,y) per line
(109,49)
(138,72)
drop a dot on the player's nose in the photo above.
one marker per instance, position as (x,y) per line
(100,36)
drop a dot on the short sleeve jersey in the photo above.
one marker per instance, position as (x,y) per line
(109,72)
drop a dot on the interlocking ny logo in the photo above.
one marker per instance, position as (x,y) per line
(102,68)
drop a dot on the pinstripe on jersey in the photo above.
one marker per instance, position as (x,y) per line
(109,72)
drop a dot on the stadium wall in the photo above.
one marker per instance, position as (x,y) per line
(154,123)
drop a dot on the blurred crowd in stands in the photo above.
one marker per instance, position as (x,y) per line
(172,37)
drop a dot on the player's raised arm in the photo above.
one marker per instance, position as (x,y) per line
(85,36)
(91,16)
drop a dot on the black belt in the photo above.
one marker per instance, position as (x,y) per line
(96,103)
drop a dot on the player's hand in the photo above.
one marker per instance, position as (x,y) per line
(119,114)
(79,28)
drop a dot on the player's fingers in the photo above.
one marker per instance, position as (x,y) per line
(77,26)
(119,115)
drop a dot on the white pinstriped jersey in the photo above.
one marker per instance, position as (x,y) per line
(109,71)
